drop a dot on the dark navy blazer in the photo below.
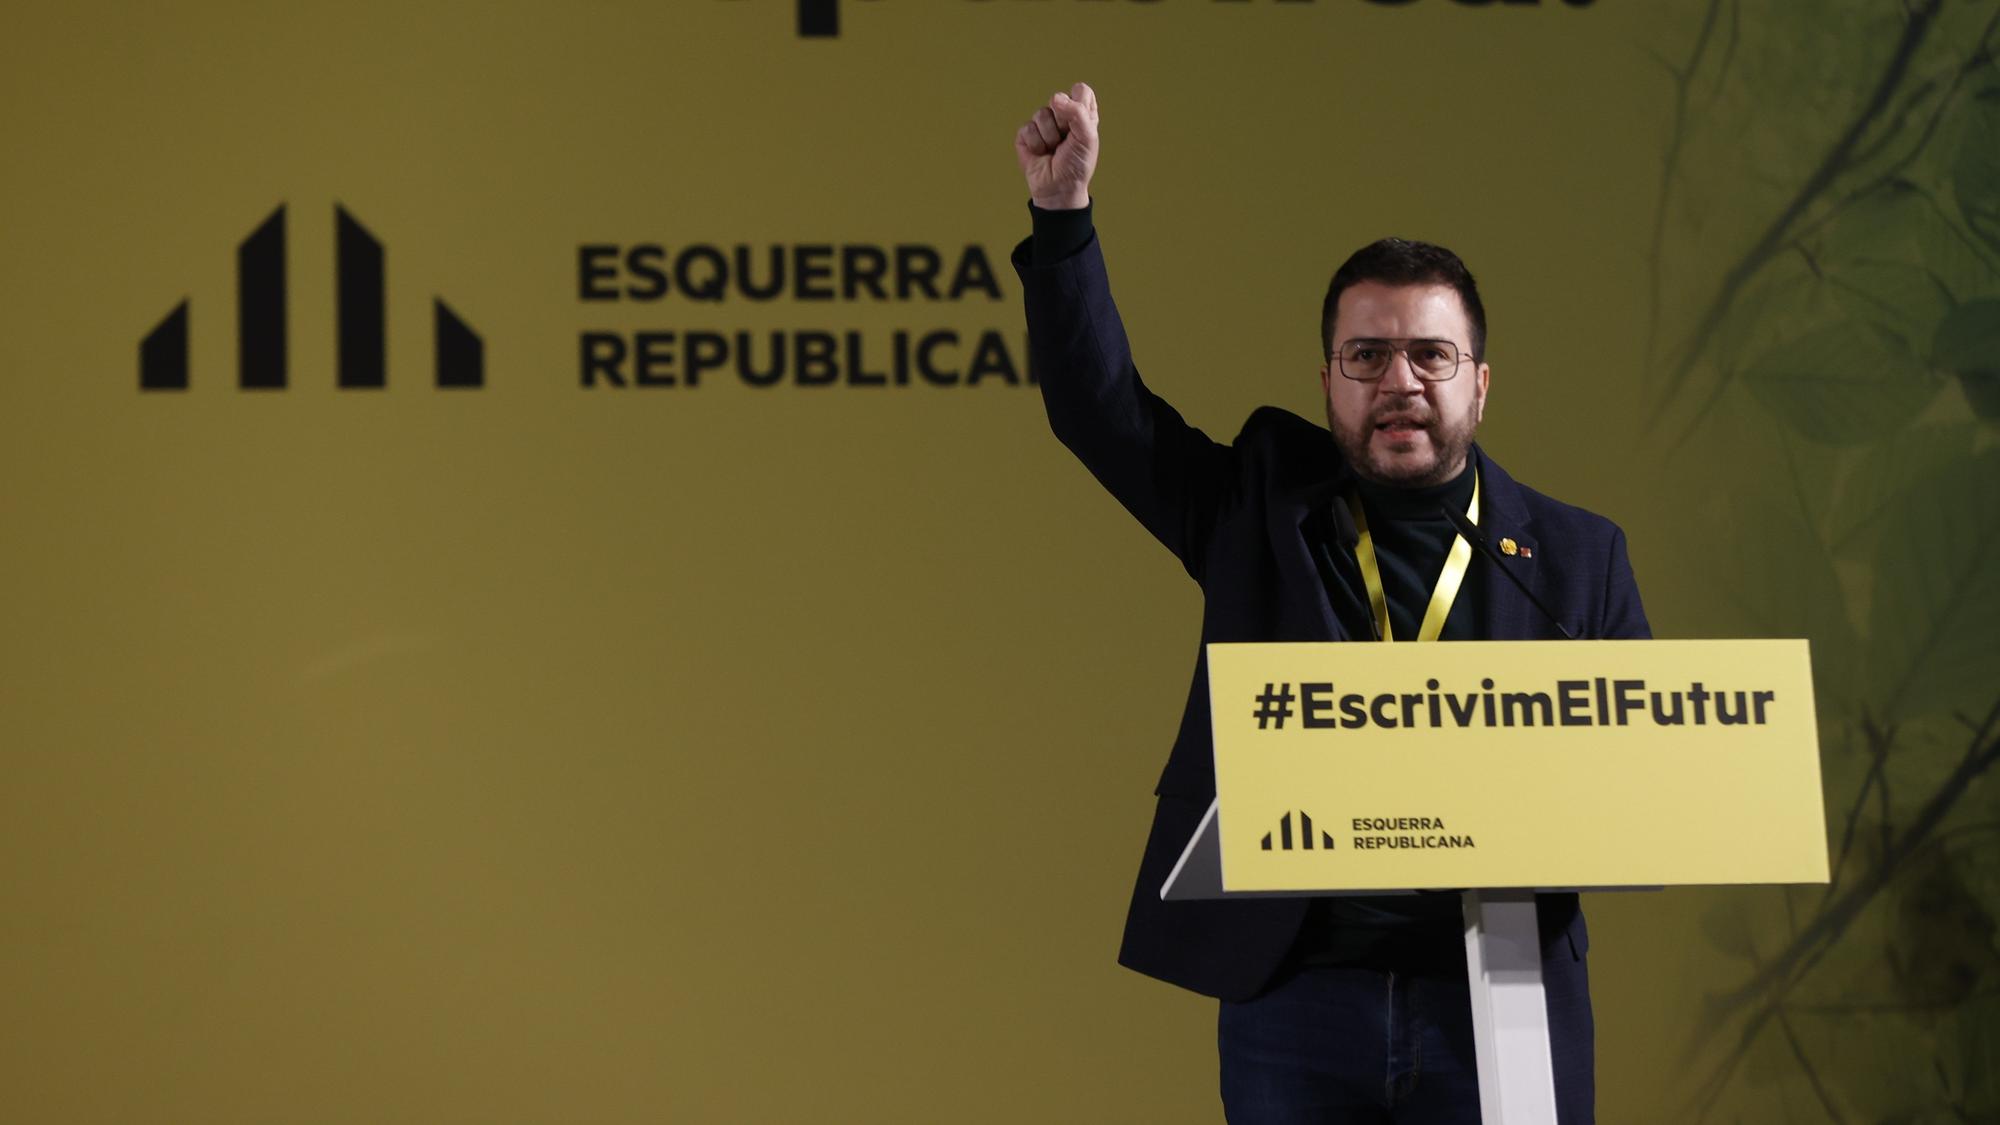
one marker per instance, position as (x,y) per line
(1233,515)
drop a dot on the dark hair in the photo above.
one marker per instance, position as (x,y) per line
(1400,261)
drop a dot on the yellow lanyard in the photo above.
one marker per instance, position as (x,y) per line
(1449,580)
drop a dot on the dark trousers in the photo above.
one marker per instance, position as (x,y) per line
(1340,1045)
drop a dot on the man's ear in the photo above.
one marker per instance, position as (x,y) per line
(1485,374)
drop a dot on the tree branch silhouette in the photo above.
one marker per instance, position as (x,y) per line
(1773,979)
(1839,160)
(1812,1072)
(1978,758)
(1676,137)
(1891,176)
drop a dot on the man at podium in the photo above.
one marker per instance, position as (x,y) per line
(1332,1009)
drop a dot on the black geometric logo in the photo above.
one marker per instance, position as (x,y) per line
(1284,835)
(360,310)
(819,19)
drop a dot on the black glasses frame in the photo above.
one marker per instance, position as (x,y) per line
(1402,345)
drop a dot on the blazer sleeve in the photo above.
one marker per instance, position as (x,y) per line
(1624,616)
(1167,473)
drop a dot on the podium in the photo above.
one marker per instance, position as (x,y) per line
(1498,769)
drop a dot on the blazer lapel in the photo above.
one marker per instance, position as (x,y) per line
(1504,613)
(1290,526)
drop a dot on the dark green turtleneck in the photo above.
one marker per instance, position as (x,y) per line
(1412,538)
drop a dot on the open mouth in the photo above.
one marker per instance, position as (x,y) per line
(1399,428)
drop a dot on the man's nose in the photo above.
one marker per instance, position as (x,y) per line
(1401,378)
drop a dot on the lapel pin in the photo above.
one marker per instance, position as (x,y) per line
(1527,552)
(1508,547)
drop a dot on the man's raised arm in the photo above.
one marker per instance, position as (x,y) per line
(1165,472)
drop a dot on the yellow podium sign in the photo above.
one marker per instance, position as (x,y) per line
(1516,764)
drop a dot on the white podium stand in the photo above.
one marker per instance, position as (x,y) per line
(1503,965)
(1510,1014)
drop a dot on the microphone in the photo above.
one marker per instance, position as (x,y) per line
(1473,536)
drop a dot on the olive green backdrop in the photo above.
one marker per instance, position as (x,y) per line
(543,753)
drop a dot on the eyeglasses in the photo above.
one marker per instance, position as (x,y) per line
(1433,361)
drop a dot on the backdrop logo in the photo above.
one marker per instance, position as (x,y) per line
(819,19)
(1284,835)
(361,313)
(712,277)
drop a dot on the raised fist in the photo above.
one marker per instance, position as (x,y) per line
(1058,150)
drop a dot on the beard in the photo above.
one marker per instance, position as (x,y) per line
(1433,453)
